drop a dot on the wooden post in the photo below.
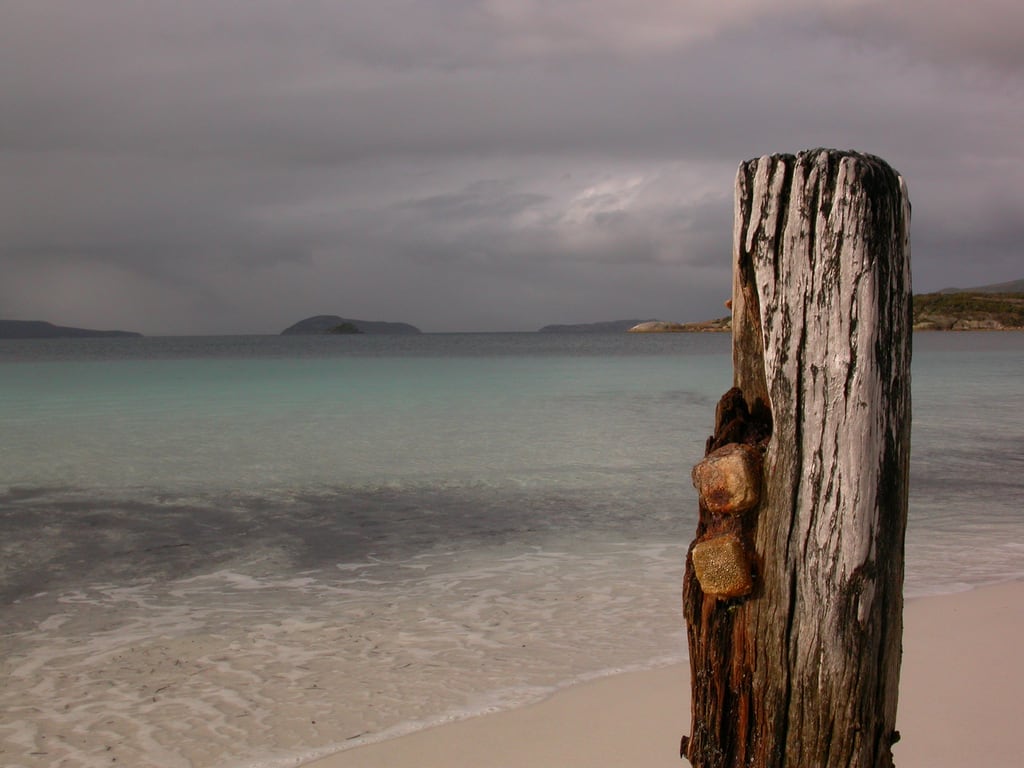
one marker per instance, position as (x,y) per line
(794,605)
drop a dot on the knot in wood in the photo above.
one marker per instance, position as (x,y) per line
(728,480)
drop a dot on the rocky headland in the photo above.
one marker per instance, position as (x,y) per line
(706,326)
(998,307)
(657,326)
(641,326)
(607,326)
(969,311)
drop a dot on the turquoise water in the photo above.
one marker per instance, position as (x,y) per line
(350,417)
(232,538)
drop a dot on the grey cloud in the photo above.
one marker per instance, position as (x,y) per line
(229,166)
(485,199)
(983,33)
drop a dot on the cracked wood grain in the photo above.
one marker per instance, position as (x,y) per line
(804,671)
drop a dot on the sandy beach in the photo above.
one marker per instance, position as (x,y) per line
(959,704)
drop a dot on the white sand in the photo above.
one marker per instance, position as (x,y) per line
(961,702)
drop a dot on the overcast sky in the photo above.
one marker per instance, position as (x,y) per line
(233,166)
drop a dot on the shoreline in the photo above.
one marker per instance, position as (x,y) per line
(959,691)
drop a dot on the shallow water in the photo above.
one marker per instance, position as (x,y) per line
(248,551)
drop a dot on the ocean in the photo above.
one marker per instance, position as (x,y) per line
(253,551)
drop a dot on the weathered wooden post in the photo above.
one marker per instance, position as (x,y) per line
(793,586)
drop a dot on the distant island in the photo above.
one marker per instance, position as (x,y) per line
(344,328)
(997,307)
(333,324)
(39,329)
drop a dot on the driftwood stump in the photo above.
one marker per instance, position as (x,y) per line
(795,629)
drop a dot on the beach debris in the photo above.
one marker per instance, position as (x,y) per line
(728,480)
(721,566)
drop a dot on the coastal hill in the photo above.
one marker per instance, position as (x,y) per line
(1014,286)
(998,307)
(324,324)
(642,326)
(975,310)
(608,326)
(658,326)
(39,329)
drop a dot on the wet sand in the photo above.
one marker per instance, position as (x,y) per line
(960,704)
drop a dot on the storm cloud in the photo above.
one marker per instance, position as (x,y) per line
(231,166)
